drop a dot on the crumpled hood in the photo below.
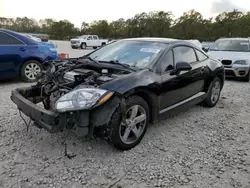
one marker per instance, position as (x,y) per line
(228,55)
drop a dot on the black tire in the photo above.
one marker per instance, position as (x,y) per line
(73,47)
(94,47)
(83,46)
(208,102)
(27,66)
(111,131)
(247,77)
(103,44)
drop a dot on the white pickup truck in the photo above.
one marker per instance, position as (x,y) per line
(87,41)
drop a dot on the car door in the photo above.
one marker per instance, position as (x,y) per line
(177,88)
(90,41)
(95,41)
(12,51)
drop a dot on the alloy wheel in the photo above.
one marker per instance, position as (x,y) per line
(134,126)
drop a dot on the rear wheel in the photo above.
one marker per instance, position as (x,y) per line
(94,47)
(30,69)
(126,135)
(213,94)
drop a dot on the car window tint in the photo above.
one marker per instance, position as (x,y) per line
(201,56)
(6,39)
(168,62)
(95,37)
(184,54)
(90,38)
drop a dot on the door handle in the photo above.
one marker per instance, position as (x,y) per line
(22,49)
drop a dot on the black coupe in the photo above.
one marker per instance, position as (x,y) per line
(118,89)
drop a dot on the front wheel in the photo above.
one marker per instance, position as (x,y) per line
(126,135)
(83,46)
(30,69)
(213,93)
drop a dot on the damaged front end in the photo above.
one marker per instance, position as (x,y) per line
(68,96)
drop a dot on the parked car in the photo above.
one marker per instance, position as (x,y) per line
(87,41)
(206,45)
(22,56)
(121,87)
(234,54)
(50,45)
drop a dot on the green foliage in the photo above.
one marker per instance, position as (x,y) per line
(191,25)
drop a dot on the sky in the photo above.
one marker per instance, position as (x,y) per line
(78,11)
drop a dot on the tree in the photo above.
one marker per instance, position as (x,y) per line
(191,25)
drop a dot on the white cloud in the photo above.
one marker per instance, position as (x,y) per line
(224,6)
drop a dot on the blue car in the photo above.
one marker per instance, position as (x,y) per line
(23,56)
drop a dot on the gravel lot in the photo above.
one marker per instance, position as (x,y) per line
(200,148)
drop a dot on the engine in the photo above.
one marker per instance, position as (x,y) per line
(58,79)
(72,76)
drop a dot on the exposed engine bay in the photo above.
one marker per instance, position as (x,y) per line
(58,78)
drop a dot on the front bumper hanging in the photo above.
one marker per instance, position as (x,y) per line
(26,102)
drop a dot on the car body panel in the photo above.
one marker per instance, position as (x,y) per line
(13,56)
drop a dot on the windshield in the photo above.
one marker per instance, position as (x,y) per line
(83,37)
(133,53)
(231,45)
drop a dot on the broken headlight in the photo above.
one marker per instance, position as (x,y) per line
(80,99)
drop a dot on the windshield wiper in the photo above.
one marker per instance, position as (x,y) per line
(116,62)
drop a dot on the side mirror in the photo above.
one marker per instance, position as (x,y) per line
(181,66)
(205,49)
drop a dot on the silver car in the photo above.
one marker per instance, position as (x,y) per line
(234,54)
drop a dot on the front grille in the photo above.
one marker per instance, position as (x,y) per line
(226,62)
(73,42)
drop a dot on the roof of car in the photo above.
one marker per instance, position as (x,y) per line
(153,39)
(193,42)
(20,36)
(235,38)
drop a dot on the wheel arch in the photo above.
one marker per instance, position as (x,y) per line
(220,74)
(148,96)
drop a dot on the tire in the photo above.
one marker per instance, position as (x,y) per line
(247,77)
(115,130)
(103,44)
(73,47)
(30,69)
(83,46)
(213,93)
(94,47)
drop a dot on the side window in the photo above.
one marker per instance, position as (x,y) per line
(184,54)
(95,37)
(167,62)
(201,56)
(89,38)
(6,39)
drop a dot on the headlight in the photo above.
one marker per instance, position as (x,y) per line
(241,62)
(80,99)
